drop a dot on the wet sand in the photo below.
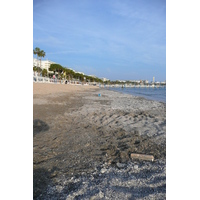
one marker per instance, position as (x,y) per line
(82,144)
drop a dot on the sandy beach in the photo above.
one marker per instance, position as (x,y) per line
(82,144)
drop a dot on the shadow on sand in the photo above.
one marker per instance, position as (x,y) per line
(39,126)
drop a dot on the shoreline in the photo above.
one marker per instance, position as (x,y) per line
(82,144)
(75,88)
(142,96)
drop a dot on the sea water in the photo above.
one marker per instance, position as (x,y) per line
(152,93)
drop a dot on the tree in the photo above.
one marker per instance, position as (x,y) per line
(44,72)
(34,68)
(36,51)
(37,69)
(56,68)
(41,54)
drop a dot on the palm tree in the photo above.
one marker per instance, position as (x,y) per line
(44,72)
(36,51)
(41,54)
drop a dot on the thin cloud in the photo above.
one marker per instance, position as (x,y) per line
(102,34)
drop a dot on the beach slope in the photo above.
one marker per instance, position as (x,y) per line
(82,144)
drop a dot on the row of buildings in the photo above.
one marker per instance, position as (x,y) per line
(142,82)
(45,64)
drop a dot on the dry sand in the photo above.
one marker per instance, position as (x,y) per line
(44,88)
(82,144)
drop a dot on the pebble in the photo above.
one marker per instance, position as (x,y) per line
(120,165)
(59,188)
(125,181)
(103,170)
(101,194)
(135,166)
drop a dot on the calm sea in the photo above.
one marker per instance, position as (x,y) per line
(157,94)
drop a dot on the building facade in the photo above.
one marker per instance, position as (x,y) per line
(104,79)
(45,64)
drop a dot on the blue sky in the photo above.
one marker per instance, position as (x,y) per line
(116,39)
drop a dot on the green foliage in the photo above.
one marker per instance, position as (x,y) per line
(38,69)
(44,72)
(41,54)
(56,68)
(78,76)
(36,51)
(107,82)
(34,68)
(69,74)
(116,82)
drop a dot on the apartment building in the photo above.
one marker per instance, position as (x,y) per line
(45,64)
(104,79)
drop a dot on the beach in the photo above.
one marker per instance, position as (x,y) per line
(83,141)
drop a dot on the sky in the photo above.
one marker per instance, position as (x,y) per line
(115,39)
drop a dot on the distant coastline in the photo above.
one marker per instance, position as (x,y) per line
(150,93)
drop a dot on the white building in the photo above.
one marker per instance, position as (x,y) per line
(45,64)
(104,79)
(163,83)
(71,69)
(121,81)
(80,72)
(35,62)
(92,76)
